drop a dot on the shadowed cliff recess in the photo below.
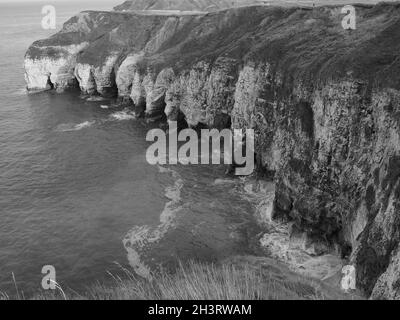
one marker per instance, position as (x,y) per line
(324,103)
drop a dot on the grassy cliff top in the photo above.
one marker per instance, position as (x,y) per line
(241,278)
(305,44)
(215,5)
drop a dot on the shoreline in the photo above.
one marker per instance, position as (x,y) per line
(274,241)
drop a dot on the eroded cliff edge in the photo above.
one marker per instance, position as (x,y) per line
(324,102)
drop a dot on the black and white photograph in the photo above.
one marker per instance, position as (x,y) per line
(233,152)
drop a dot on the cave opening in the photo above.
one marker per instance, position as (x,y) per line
(112,91)
(93,91)
(155,110)
(50,84)
(182,122)
(306,115)
(222,121)
(140,107)
(74,84)
(346,251)
(261,168)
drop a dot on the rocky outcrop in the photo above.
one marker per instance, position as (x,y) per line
(52,70)
(97,51)
(324,103)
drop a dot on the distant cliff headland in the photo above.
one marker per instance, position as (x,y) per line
(324,103)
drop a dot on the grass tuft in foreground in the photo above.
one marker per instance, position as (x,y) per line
(200,281)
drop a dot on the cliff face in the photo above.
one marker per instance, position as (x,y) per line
(324,103)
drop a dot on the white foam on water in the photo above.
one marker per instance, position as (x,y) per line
(123,115)
(68,127)
(173,193)
(119,116)
(137,264)
(31,91)
(281,247)
(94,99)
(141,237)
(21,92)
(278,241)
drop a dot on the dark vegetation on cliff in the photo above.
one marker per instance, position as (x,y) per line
(183,5)
(215,5)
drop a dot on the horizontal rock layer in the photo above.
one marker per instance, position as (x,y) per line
(324,103)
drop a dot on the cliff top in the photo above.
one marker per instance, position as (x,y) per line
(308,44)
(216,5)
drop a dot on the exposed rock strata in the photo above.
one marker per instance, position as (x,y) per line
(324,102)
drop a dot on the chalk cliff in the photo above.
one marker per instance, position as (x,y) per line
(324,103)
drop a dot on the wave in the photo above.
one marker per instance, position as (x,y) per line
(68,127)
(140,237)
(123,115)
(94,99)
(279,243)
